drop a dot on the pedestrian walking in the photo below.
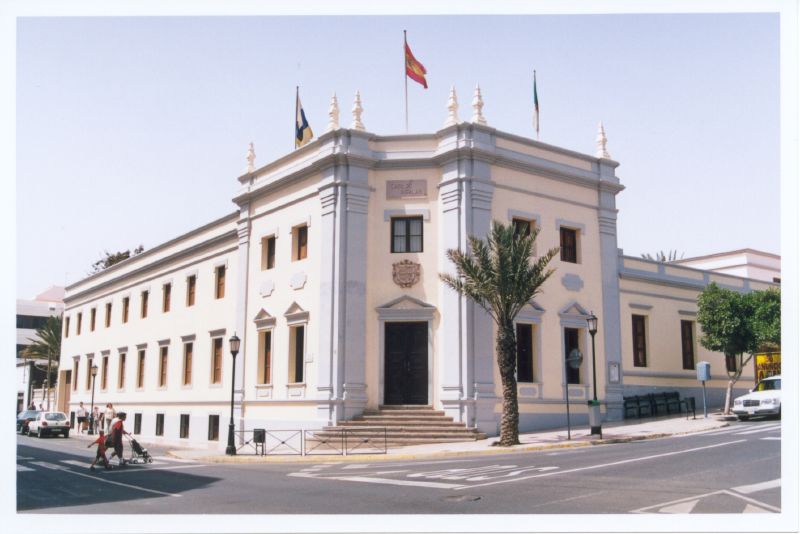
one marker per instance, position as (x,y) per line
(101,450)
(81,413)
(109,416)
(32,406)
(117,430)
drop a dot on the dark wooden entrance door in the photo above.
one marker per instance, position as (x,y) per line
(406,366)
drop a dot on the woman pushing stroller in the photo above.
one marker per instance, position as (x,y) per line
(117,430)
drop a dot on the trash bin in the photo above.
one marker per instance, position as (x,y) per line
(595,418)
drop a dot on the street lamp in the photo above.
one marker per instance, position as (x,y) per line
(234,345)
(91,412)
(594,406)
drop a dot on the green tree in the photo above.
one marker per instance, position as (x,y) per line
(46,346)
(501,275)
(738,325)
(110,259)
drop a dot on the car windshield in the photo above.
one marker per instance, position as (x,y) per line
(28,414)
(768,385)
(55,416)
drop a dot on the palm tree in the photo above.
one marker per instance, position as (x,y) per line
(501,276)
(662,257)
(46,346)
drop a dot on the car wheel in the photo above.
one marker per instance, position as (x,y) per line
(66,433)
(743,417)
(39,433)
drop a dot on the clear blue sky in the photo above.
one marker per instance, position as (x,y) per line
(132,130)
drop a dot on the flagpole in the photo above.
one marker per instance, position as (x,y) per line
(405,75)
(536,103)
(294,128)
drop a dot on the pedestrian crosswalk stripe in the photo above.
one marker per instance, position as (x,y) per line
(21,468)
(761,486)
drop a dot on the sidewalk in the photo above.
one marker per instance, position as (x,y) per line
(616,432)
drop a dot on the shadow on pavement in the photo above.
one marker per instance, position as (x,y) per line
(59,484)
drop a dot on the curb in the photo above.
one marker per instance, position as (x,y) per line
(222,459)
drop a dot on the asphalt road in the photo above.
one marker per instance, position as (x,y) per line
(732,470)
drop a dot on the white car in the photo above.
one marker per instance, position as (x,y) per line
(764,399)
(49,423)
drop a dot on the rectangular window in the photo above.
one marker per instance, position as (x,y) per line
(184,426)
(140,370)
(213,428)
(66,327)
(137,423)
(162,366)
(145,298)
(92,317)
(216,361)
(121,372)
(524,352)
(572,342)
(159,424)
(407,234)
(75,367)
(639,341)
(89,373)
(687,344)
(300,246)
(104,373)
(296,354)
(268,253)
(126,306)
(191,285)
(219,291)
(188,352)
(521,227)
(569,245)
(265,357)
(108,314)
(80,320)
(167,297)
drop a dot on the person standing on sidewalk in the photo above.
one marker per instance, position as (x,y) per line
(81,413)
(101,450)
(109,416)
(94,421)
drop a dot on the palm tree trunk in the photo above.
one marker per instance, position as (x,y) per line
(506,360)
(49,360)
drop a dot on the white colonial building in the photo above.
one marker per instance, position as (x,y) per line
(328,272)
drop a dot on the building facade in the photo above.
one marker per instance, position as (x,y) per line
(328,272)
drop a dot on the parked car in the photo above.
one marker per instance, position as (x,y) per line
(23,418)
(49,423)
(764,399)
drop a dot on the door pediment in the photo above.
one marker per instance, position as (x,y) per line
(406,308)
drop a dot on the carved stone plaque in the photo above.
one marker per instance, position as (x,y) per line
(405,273)
(406,189)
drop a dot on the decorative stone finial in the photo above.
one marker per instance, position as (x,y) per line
(452,108)
(601,141)
(333,114)
(357,110)
(477,107)
(251,158)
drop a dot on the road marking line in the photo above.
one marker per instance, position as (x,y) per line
(750,509)
(21,468)
(772,438)
(99,479)
(680,508)
(761,486)
(669,504)
(758,431)
(374,480)
(599,466)
(24,457)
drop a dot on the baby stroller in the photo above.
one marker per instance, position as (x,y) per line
(139,454)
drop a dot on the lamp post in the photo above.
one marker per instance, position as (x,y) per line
(91,412)
(594,405)
(234,345)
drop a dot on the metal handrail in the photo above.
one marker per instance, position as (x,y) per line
(339,442)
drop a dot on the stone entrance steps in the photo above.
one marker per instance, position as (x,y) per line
(404,425)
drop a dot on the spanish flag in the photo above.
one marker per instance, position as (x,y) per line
(302,131)
(414,69)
